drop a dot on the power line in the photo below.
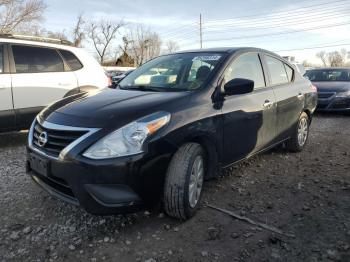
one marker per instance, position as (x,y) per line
(179,29)
(292,20)
(280,33)
(282,25)
(171,32)
(314,47)
(279,13)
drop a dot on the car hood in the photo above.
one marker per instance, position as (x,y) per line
(110,107)
(332,86)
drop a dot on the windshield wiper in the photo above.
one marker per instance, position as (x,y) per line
(143,88)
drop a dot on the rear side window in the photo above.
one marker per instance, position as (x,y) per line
(277,71)
(290,72)
(72,61)
(30,59)
(247,66)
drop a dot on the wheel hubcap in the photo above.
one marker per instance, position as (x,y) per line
(196,181)
(302,131)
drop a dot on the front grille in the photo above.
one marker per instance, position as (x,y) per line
(321,106)
(57,140)
(325,95)
(341,104)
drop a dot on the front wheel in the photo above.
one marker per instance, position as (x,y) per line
(184,181)
(300,135)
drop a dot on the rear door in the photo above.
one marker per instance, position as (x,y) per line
(249,119)
(39,78)
(290,99)
(7,115)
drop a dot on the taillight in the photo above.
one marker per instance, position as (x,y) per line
(313,88)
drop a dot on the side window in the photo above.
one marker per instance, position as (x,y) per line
(30,59)
(247,66)
(1,59)
(290,72)
(72,61)
(277,71)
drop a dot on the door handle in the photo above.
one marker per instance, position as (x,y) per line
(268,104)
(300,96)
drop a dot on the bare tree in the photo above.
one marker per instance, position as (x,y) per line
(143,45)
(102,34)
(171,47)
(335,59)
(78,31)
(323,56)
(344,54)
(57,35)
(307,64)
(17,15)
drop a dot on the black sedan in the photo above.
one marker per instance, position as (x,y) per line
(167,127)
(333,86)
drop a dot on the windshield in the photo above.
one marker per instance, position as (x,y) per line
(176,72)
(328,75)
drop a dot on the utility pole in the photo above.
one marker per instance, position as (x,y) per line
(200,31)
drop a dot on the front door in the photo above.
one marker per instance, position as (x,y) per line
(249,119)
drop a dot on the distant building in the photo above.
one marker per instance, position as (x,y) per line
(123,61)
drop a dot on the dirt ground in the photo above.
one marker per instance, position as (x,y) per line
(306,194)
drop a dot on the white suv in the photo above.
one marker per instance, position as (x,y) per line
(35,72)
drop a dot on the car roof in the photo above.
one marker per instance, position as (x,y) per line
(35,43)
(329,68)
(226,50)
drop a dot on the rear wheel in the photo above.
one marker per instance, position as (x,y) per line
(300,135)
(184,181)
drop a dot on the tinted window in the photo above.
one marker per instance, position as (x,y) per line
(328,75)
(277,71)
(72,61)
(289,71)
(36,59)
(247,66)
(1,58)
(175,72)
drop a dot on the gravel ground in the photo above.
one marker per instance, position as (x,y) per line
(306,194)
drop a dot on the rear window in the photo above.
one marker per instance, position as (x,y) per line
(30,59)
(328,75)
(72,61)
(277,71)
(289,71)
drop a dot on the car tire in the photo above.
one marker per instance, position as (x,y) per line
(300,134)
(184,181)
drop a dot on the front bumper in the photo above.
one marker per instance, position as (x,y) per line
(102,187)
(335,104)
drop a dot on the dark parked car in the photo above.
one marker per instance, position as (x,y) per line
(333,86)
(120,149)
(117,78)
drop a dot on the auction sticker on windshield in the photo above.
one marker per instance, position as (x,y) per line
(207,58)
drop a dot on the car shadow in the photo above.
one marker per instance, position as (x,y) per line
(13,139)
(331,114)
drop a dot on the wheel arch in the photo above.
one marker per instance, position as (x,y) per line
(211,153)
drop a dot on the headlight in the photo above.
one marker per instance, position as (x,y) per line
(343,94)
(129,139)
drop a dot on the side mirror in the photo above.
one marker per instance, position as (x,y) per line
(238,86)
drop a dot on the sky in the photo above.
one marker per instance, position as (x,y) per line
(283,26)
